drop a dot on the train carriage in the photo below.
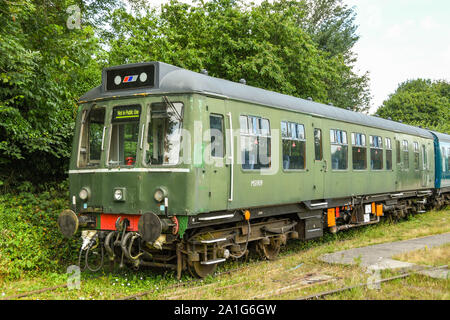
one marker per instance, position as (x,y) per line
(442,158)
(177,169)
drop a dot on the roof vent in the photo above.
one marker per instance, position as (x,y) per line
(204,71)
(349,109)
(400,121)
(242,81)
(310,99)
(389,118)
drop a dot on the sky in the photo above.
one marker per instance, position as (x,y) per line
(399,40)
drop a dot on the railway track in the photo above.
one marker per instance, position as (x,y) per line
(34,292)
(185,284)
(400,276)
(137,295)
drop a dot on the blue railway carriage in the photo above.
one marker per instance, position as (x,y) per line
(442,173)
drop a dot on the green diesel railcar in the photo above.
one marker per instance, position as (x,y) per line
(177,169)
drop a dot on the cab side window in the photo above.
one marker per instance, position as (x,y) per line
(216,129)
(92,135)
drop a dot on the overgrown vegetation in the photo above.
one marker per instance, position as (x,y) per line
(30,241)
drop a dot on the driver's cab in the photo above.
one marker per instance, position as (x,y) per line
(157,135)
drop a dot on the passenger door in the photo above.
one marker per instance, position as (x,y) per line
(218,171)
(319,163)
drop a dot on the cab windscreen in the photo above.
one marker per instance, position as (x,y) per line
(124,135)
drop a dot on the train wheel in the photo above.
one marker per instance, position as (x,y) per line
(199,270)
(271,250)
(196,269)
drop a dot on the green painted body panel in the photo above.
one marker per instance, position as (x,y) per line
(206,185)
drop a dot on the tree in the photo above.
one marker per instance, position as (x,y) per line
(266,44)
(301,48)
(44,68)
(420,102)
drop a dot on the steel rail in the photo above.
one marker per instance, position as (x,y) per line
(29,293)
(183,284)
(403,275)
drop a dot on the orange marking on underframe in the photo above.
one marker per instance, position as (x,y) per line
(379,210)
(331,217)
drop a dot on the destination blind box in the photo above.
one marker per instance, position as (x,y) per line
(134,76)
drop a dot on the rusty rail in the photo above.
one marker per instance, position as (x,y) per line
(403,275)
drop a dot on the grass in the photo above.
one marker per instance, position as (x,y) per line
(436,256)
(285,278)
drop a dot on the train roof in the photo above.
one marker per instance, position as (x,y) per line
(169,79)
(442,137)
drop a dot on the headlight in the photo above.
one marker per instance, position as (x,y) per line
(159,195)
(84,194)
(118,194)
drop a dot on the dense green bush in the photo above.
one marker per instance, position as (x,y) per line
(420,102)
(30,241)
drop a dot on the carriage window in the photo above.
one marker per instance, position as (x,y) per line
(124,135)
(388,154)
(339,150)
(376,153)
(399,159)
(255,142)
(416,156)
(93,125)
(318,144)
(359,152)
(424,157)
(443,160)
(294,145)
(216,127)
(405,154)
(163,141)
(448,160)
